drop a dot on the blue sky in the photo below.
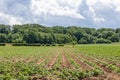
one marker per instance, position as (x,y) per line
(85,13)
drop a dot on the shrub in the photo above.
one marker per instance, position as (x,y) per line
(103,41)
(60,44)
(82,41)
(19,44)
(2,44)
(53,44)
(47,45)
(33,44)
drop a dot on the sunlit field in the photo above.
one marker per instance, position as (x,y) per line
(82,62)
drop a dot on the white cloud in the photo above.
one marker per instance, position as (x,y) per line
(56,8)
(74,4)
(10,19)
(118,9)
(105,12)
(95,17)
(102,4)
(93,13)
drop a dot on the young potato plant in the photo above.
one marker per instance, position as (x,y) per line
(96,71)
(114,68)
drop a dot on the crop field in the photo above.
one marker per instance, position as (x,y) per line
(83,62)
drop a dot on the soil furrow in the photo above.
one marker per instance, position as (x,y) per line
(83,65)
(109,62)
(108,74)
(40,61)
(52,61)
(65,61)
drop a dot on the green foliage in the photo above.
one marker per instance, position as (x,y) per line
(13,65)
(97,72)
(103,41)
(35,33)
(104,50)
(114,38)
(60,44)
(5,29)
(3,38)
(34,44)
(68,74)
(2,44)
(73,43)
(87,39)
(19,44)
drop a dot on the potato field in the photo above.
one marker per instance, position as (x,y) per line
(82,62)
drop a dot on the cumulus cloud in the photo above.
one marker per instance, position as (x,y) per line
(100,13)
(106,12)
(10,19)
(15,11)
(118,9)
(95,17)
(57,8)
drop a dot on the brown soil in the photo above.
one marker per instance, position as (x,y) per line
(40,61)
(84,66)
(52,61)
(39,78)
(30,59)
(108,61)
(15,60)
(65,61)
(108,74)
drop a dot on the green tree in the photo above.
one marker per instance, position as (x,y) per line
(74,43)
(114,38)
(3,38)
(4,29)
(31,37)
(101,40)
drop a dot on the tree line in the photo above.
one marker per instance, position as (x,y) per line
(35,33)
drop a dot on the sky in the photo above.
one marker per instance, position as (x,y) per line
(84,13)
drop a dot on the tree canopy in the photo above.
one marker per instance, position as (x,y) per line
(35,33)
